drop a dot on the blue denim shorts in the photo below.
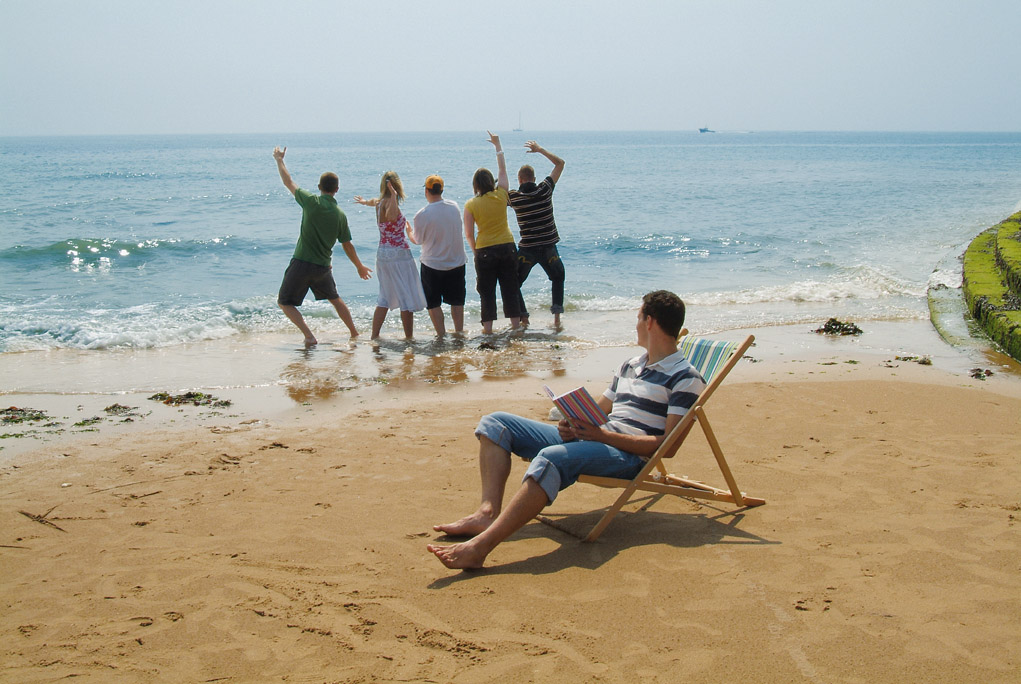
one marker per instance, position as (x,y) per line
(555,464)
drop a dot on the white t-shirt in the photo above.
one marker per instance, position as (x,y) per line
(437,227)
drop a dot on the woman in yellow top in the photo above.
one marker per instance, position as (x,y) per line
(496,257)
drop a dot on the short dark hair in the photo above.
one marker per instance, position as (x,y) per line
(328,182)
(483,182)
(526,173)
(666,309)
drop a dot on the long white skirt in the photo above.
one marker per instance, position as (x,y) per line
(400,286)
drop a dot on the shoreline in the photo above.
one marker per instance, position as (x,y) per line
(268,378)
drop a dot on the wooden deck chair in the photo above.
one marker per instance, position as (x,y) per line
(714,359)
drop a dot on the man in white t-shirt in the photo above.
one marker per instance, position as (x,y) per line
(437,227)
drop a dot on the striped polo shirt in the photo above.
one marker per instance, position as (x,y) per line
(643,394)
(533,205)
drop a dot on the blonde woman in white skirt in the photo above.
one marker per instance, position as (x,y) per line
(400,286)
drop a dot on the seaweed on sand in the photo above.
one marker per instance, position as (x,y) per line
(920,360)
(14,415)
(127,414)
(87,422)
(835,327)
(193,398)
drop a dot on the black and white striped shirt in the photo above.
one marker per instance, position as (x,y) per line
(643,395)
(533,205)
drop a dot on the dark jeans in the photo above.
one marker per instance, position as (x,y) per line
(498,264)
(548,257)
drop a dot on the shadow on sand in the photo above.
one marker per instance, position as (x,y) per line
(628,530)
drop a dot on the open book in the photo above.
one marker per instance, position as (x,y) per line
(578,404)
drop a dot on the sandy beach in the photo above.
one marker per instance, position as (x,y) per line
(283,538)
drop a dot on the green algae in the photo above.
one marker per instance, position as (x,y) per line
(992,283)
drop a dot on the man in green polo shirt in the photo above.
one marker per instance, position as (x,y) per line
(322,224)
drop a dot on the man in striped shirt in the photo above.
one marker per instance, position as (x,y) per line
(648,396)
(533,206)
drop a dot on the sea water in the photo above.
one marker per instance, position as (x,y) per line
(125,242)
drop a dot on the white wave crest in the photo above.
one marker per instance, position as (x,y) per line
(862,282)
(145,326)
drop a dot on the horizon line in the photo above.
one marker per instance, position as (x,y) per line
(543,131)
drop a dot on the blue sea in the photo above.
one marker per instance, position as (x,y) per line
(140,242)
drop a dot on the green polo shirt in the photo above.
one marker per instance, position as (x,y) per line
(322,224)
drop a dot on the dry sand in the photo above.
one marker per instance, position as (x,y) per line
(291,547)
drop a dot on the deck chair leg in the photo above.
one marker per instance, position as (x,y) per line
(707,430)
(655,462)
(624,497)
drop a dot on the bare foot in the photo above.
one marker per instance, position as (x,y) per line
(459,556)
(311,341)
(468,526)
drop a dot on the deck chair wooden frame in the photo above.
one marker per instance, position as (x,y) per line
(714,359)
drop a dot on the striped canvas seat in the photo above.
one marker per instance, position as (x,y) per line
(708,356)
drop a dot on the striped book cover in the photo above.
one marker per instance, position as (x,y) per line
(579,405)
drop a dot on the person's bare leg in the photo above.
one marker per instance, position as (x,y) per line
(556,321)
(526,503)
(345,315)
(408,321)
(515,322)
(494,468)
(378,316)
(436,316)
(294,316)
(487,327)
(457,314)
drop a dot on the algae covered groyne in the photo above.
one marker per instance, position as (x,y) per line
(992,283)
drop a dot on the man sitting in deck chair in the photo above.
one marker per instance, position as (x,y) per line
(648,396)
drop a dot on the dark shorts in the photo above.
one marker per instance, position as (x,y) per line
(443,287)
(302,276)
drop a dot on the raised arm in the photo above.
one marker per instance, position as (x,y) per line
(501,165)
(371,202)
(558,163)
(285,175)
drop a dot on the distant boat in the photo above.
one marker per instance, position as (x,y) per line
(518,129)
(706,130)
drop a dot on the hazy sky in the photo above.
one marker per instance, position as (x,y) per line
(249,66)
